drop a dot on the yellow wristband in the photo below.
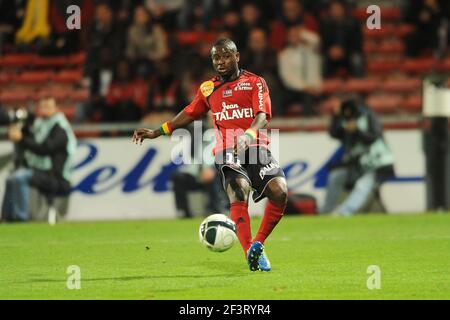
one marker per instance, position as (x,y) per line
(166,128)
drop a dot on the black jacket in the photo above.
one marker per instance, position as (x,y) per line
(50,181)
(374,131)
(349,140)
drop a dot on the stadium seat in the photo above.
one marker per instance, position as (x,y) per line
(403,30)
(360,13)
(330,86)
(384,103)
(77,59)
(49,62)
(391,47)
(79,95)
(401,85)
(387,13)
(387,30)
(294,110)
(391,13)
(188,38)
(16,96)
(60,94)
(69,76)
(6,78)
(326,106)
(445,65)
(17,61)
(412,104)
(69,111)
(382,66)
(363,85)
(370,46)
(35,77)
(419,66)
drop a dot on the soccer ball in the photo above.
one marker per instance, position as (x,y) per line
(217,232)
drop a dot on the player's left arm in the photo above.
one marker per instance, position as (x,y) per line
(259,122)
(262,109)
(244,141)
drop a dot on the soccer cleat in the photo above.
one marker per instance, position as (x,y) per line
(264,263)
(253,254)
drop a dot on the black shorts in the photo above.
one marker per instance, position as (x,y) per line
(257,166)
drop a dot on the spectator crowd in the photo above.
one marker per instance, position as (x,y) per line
(145,59)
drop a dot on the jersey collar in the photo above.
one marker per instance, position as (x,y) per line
(239,75)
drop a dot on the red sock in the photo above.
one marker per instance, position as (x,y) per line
(272,215)
(239,214)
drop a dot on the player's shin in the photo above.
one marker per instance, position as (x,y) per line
(272,215)
(239,214)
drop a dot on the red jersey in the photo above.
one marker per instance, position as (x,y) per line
(233,105)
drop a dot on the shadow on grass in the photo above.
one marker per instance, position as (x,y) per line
(146,277)
(234,267)
(231,269)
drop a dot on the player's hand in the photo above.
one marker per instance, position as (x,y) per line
(141,134)
(242,143)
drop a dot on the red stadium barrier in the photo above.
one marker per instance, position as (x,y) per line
(401,85)
(69,76)
(35,77)
(384,103)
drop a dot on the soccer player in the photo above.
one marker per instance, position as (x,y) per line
(240,105)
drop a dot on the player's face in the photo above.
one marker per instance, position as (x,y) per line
(225,61)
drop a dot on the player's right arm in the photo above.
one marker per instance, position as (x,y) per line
(181,120)
(195,110)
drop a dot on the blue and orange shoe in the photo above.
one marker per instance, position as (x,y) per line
(253,254)
(257,258)
(264,263)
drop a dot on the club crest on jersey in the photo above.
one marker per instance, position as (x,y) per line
(207,88)
(227,93)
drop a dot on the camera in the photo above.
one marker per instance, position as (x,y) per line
(18,116)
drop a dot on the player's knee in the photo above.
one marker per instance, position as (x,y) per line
(238,190)
(278,192)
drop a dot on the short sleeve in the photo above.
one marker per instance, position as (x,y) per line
(261,98)
(197,108)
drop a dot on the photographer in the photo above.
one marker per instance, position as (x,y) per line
(43,154)
(366,162)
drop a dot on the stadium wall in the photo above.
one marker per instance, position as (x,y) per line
(114,179)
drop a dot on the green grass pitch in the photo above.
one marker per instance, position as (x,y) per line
(312,258)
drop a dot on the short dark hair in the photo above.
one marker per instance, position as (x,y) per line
(226,43)
(350,108)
